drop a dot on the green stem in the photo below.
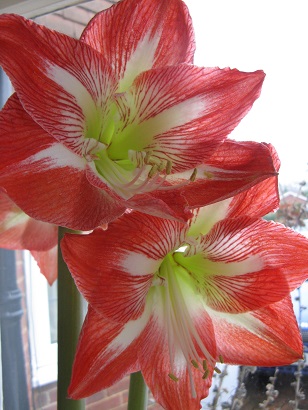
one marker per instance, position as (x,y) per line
(70,318)
(138,392)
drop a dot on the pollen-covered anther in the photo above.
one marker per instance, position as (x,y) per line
(193,175)
(208,174)
(221,359)
(195,364)
(158,165)
(173,377)
(205,374)
(153,171)
(217,370)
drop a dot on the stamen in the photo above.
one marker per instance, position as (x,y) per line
(193,175)
(153,171)
(204,365)
(195,364)
(173,377)
(181,327)
(217,370)
(206,374)
(168,167)
(221,359)
(147,156)
(144,174)
(162,165)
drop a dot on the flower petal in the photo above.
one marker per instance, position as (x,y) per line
(47,261)
(45,179)
(19,231)
(62,83)
(250,263)
(265,337)
(123,260)
(136,35)
(155,365)
(254,202)
(182,113)
(106,352)
(233,168)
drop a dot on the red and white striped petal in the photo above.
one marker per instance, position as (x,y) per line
(47,261)
(106,352)
(247,264)
(122,259)
(19,231)
(265,337)
(259,200)
(232,169)
(254,202)
(62,83)
(47,180)
(189,387)
(182,113)
(137,35)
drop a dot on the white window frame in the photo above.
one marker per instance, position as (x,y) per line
(43,353)
(35,8)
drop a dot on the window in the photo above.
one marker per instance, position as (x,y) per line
(42,319)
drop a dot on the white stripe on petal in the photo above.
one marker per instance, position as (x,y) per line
(251,264)
(245,320)
(129,333)
(173,117)
(72,86)
(56,156)
(142,59)
(138,264)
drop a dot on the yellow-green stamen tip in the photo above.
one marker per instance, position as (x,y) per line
(195,364)
(217,370)
(204,365)
(173,377)
(152,171)
(193,175)
(168,167)
(206,374)
(147,157)
(221,359)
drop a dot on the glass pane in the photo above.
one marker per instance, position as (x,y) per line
(53,311)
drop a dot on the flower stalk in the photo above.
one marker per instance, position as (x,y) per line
(138,392)
(70,318)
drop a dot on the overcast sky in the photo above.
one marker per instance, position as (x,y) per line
(271,35)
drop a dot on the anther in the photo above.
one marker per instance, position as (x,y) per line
(168,167)
(217,370)
(193,175)
(152,171)
(204,365)
(195,364)
(161,166)
(206,374)
(147,157)
(173,377)
(221,359)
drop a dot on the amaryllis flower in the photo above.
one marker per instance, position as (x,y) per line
(121,118)
(171,299)
(19,231)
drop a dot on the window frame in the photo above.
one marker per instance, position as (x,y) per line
(44,353)
(35,8)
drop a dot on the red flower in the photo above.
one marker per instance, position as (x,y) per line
(170,299)
(121,119)
(19,231)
